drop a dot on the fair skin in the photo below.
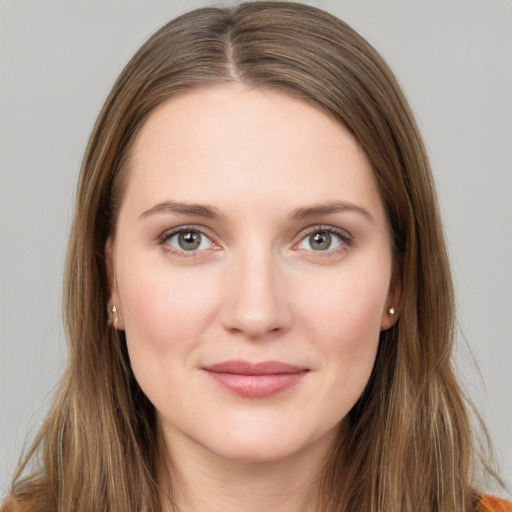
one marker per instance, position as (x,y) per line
(284,258)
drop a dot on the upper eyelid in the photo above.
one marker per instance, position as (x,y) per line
(186,227)
(343,233)
(169,233)
(345,237)
(172,232)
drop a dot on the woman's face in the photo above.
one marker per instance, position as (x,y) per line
(251,271)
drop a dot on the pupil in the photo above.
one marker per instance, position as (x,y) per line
(320,240)
(189,241)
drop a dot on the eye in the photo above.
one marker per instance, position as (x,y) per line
(323,239)
(188,240)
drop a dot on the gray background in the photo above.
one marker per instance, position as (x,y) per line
(58,60)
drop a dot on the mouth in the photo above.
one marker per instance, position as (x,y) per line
(256,380)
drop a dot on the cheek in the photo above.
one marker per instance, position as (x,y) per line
(347,303)
(349,338)
(166,313)
(345,323)
(166,308)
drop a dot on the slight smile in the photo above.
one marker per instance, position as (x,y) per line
(256,380)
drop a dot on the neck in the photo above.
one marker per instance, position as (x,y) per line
(204,482)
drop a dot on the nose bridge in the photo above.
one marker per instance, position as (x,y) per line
(256,301)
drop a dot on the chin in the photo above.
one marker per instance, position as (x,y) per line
(258,452)
(262,445)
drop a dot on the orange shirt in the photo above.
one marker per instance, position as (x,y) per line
(492,504)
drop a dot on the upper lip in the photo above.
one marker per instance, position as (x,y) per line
(257,368)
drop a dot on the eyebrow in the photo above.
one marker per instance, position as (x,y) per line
(210,212)
(198,210)
(330,208)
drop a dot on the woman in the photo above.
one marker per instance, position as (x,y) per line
(258,301)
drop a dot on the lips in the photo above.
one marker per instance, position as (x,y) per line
(256,380)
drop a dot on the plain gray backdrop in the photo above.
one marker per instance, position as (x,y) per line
(58,60)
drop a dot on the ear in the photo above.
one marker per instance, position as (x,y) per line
(393,306)
(113,304)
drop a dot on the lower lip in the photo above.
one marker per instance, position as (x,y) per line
(257,386)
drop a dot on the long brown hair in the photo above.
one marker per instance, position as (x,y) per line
(409,445)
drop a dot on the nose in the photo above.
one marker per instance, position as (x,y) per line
(256,302)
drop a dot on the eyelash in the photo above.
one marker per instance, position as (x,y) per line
(167,235)
(345,238)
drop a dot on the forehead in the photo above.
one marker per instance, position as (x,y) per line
(233,141)
(237,113)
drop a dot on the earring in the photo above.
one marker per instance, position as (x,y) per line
(115,318)
(391,311)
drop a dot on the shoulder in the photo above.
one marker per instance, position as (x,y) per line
(7,506)
(492,504)
(12,505)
